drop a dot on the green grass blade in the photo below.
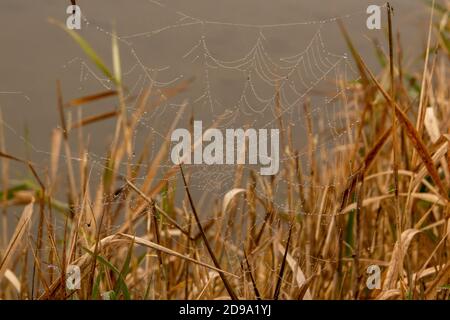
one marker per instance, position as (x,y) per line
(120,279)
(88,50)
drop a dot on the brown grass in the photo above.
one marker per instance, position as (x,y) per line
(386,203)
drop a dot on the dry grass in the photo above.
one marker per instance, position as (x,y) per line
(385,203)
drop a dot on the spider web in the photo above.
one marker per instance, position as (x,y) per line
(256,76)
(242,89)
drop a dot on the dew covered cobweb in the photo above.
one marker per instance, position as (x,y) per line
(241,88)
(238,68)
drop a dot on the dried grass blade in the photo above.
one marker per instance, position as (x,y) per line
(90,98)
(396,263)
(16,238)
(89,120)
(412,134)
(205,240)
(283,265)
